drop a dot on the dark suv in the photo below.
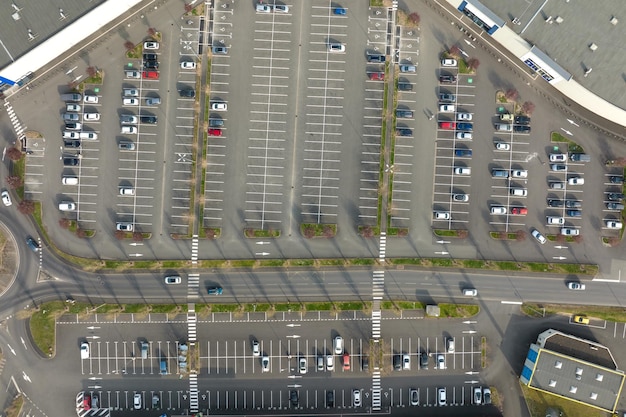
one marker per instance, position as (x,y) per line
(522,120)
(403,86)
(424,360)
(447,98)
(71,143)
(151,64)
(216,123)
(293,397)
(150,57)
(189,92)
(521,128)
(447,79)
(148,119)
(32,244)
(375,58)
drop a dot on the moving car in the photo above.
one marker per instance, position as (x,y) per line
(6,198)
(151,45)
(581,319)
(219,106)
(576,286)
(448,62)
(32,244)
(215,290)
(470,292)
(538,236)
(84,350)
(173,279)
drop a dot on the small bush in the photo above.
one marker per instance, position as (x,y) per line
(14,154)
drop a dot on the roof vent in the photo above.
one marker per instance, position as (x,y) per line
(594,396)
(558,19)
(599,377)
(614,20)
(593,46)
(573,389)
(558,364)
(552,383)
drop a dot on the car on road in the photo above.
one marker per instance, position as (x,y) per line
(502,146)
(375,58)
(538,236)
(187,92)
(256,348)
(449,79)
(151,45)
(558,167)
(464,135)
(173,279)
(464,116)
(336,47)
(446,108)
(613,224)
(478,395)
(356,397)
(150,75)
(6,198)
(70,162)
(498,210)
(448,62)
(302,365)
(447,125)
(124,226)
(32,244)
(442,215)
(215,290)
(519,173)
(84,350)
(576,286)
(447,98)
(423,360)
(406,362)
(463,152)
(576,181)
(581,319)
(90,99)
(570,231)
(219,106)
(265,363)
(615,196)
(137,401)
(442,396)
(555,220)
(414,396)
(470,292)
(460,197)
(558,157)
(190,64)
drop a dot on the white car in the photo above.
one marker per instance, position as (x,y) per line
(356,398)
(478,395)
(72,107)
(442,396)
(448,62)
(610,224)
(330,362)
(131,92)
(89,135)
(129,129)
(90,99)
(462,170)
(576,181)
(91,116)
(133,74)
(470,292)
(570,231)
(130,102)
(501,146)
(219,106)
(336,47)
(137,401)
(188,65)
(71,135)
(406,362)
(127,191)
(538,236)
(151,45)
(442,215)
(464,135)
(446,108)
(263,8)
(498,210)
(464,116)
(576,286)
(256,348)
(67,206)
(84,350)
(302,366)
(555,220)
(6,198)
(265,363)
(173,279)
(558,157)
(281,8)
(441,362)
(338,345)
(519,173)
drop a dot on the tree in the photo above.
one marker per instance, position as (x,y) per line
(520,235)
(14,154)
(578,238)
(64,223)
(26,207)
(188,7)
(367,231)
(415,18)
(129,46)
(402,232)
(560,238)
(511,94)
(209,233)
(454,50)
(613,241)
(528,107)
(462,234)
(15,181)
(152,32)
(119,234)
(92,71)
(620,162)
(137,236)
(473,63)
(81,233)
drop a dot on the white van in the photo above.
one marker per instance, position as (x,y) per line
(338,345)
(67,180)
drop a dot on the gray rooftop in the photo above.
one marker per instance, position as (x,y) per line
(581,349)
(575,26)
(42,18)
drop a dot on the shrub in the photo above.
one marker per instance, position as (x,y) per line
(26,207)
(129,46)
(511,94)
(137,236)
(14,181)
(309,232)
(14,154)
(473,63)
(414,18)
(81,233)
(528,107)
(119,235)
(367,231)
(454,50)
(64,223)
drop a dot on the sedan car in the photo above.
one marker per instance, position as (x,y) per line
(464,116)
(581,319)
(442,396)
(538,236)
(496,210)
(151,64)
(150,75)
(615,196)
(256,348)
(187,92)
(71,143)
(377,76)
(215,290)
(460,197)
(519,211)
(151,45)
(375,58)
(219,50)
(613,224)
(446,108)
(356,397)
(447,98)
(521,129)
(558,157)
(302,365)
(576,286)
(447,125)
(346,361)
(336,47)
(173,279)
(463,152)
(150,57)
(404,132)
(570,231)
(478,395)
(486,396)
(188,64)
(616,179)
(84,350)
(73,126)
(555,220)
(293,397)
(70,162)
(519,173)
(576,181)
(502,146)
(32,244)
(219,106)
(414,396)
(265,364)
(448,62)
(441,215)
(215,132)
(423,360)
(447,79)
(281,8)
(406,362)
(558,167)
(465,126)
(464,135)
(340,11)
(124,227)
(91,116)
(71,135)
(6,198)
(90,99)
(130,102)
(441,362)
(137,401)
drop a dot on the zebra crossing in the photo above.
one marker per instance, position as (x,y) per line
(193,286)
(194,250)
(378,291)
(193,392)
(17,125)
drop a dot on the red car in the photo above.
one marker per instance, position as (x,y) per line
(346,361)
(151,74)
(447,125)
(520,211)
(86,402)
(215,132)
(377,76)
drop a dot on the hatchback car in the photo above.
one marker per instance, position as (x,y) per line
(71,143)
(265,363)
(406,362)
(71,135)
(137,401)
(448,62)
(478,395)
(519,173)
(446,108)
(151,64)
(408,68)
(404,114)
(538,236)
(442,397)
(441,215)
(613,224)
(463,170)
(189,64)
(581,319)
(460,197)
(570,231)
(154,75)
(405,86)
(447,98)
(215,290)
(126,146)
(302,365)
(558,167)
(330,362)
(346,361)
(375,58)
(6,198)
(356,397)
(293,397)
(127,191)
(32,244)
(153,101)
(90,99)
(465,126)
(86,401)
(151,45)
(336,47)
(576,181)
(215,132)
(486,396)
(423,360)
(256,348)
(281,8)
(519,211)
(558,157)
(133,74)
(378,76)
(576,286)
(447,79)
(414,396)
(219,106)
(187,92)
(70,162)
(150,57)
(124,227)
(173,279)
(91,116)
(404,132)
(340,11)
(130,102)
(330,399)
(521,129)
(397,362)
(555,220)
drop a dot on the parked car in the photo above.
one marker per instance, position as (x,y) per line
(615,196)
(460,197)
(408,68)
(442,396)
(519,211)
(464,116)
(555,220)
(215,132)
(522,120)
(478,395)
(448,79)
(150,75)
(151,45)
(219,106)
(569,231)
(71,143)
(356,397)
(190,64)
(468,127)
(132,74)
(379,76)
(447,108)
(423,360)
(519,173)
(447,125)
(336,47)
(265,364)
(498,210)
(558,157)
(414,396)
(447,98)
(91,116)
(130,102)
(613,224)
(486,395)
(187,92)
(576,181)
(581,319)
(441,215)
(70,162)
(574,213)
(616,179)
(137,401)
(558,167)
(462,170)
(404,86)
(281,8)
(152,120)
(503,146)
(124,226)
(153,101)
(404,114)
(404,132)
(448,62)
(464,135)
(463,152)
(521,129)
(375,58)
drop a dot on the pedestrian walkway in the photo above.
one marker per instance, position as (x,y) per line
(193,286)
(17,125)
(194,250)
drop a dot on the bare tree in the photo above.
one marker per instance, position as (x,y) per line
(64,223)
(415,18)
(92,71)
(209,233)
(454,50)
(329,231)
(137,236)
(620,162)
(511,94)
(188,7)
(119,234)
(308,231)
(15,181)
(367,231)
(463,234)
(578,239)
(528,107)
(473,63)
(152,32)
(520,235)
(81,233)
(26,207)
(14,154)
(129,45)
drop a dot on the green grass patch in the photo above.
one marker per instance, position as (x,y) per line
(463,68)
(224,308)
(115,264)
(135,53)
(458,310)
(397,231)
(15,408)
(301,262)
(376,3)
(405,261)
(387,305)
(319,306)
(310,230)
(18,169)
(571,145)
(272,262)
(250,308)
(164,308)
(537,266)
(375,230)
(212,263)
(145,264)
(407,305)
(538,402)
(508,266)
(288,307)
(254,233)
(445,233)
(135,308)
(42,328)
(174,264)
(614,314)
(442,262)
(243,263)
(331,262)
(361,261)
(350,305)
(473,263)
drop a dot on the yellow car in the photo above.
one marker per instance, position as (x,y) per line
(581,319)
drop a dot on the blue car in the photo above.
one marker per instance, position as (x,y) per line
(340,11)
(215,291)
(463,152)
(467,127)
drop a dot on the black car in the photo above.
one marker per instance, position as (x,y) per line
(424,360)
(447,79)
(293,397)
(404,132)
(365,363)
(71,143)
(397,362)
(151,64)
(616,179)
(407,114)
(556,203)
(70,162)
(615,196)
(405,86)
(573,204)
(522,120)
(521,128)
(376,58)
(32,244)
(150,57)
(216,123)
(189,92)
(148,119)
(330,399)
(574,213)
